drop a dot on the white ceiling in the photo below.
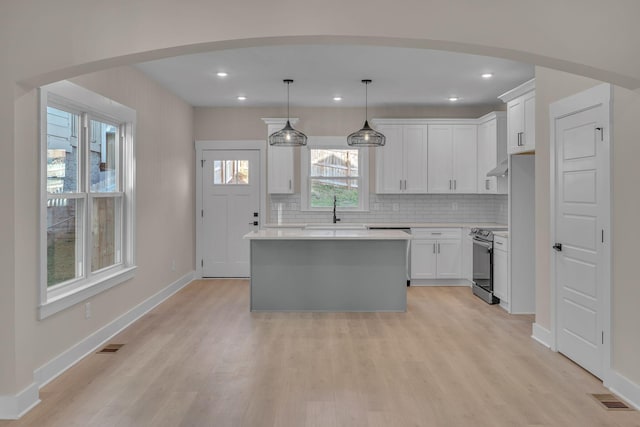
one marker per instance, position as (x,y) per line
(401,76)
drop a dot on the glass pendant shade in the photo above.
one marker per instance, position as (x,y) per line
(366,137)
(288,136)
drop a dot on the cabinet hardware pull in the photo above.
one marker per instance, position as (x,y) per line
(433,233)
(486,184)
(434,248)
(438,247)
(450,185)
(289,184)
(400,185)
(455,184)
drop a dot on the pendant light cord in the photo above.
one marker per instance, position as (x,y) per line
(288,83)
(366,101)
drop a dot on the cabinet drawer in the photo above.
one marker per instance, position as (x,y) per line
(436,233)
(500,243)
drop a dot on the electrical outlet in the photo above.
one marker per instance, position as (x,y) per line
(87,310)
(173,265)
(376,206)
(396,207)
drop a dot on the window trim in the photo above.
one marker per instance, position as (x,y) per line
(339,143)
(74,98)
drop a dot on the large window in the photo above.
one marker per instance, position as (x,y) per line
(331,169)
(87,195)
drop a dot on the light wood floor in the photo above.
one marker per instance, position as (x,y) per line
(201,359)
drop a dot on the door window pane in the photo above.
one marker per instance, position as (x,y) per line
(62,151)
(345,190)
(63,240)
(104,149)
(230,172)
(105,234)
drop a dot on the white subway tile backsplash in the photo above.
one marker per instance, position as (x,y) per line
(401,208)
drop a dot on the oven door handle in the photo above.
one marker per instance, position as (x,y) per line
(483,244)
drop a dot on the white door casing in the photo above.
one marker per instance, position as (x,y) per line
(202,239)
(580,134)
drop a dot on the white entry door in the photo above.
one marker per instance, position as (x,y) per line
(582,232)
(230,202)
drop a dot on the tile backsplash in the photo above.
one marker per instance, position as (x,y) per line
(285,208)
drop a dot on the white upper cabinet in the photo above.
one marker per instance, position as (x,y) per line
(401,165)
(279,162)
(521,106)
(492,151)
(452,159)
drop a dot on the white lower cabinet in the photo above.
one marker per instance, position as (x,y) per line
(436,253)
(500,271)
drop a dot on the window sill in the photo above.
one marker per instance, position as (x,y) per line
(62,302)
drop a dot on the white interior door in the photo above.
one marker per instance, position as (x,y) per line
(581,219)
(230,202)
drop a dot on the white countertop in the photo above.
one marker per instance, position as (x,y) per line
(400,225)
(504,234)
(291,234)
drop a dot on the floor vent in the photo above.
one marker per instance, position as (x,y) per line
(111,348)
(611,402)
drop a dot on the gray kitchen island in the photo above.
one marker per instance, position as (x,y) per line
(328,270)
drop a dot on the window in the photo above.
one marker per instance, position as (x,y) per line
(87,213)
(331,169)
(230,172)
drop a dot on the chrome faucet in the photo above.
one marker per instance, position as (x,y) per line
(335,202)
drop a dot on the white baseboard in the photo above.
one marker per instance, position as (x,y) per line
(439,282)
(542,335)
(625,388)
(14,406)
(56,366)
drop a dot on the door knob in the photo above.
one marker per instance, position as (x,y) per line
(558,247)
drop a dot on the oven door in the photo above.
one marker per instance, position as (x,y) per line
(483,264)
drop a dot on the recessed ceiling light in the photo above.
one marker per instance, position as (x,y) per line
(242,98)
(337,98)
(487,75)
(454,98)
(222,74)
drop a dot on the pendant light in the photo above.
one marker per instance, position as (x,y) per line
(287,136)
(366,137)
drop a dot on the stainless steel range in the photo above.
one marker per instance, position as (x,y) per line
(483,263)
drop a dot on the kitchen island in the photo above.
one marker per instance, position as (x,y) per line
(328,270)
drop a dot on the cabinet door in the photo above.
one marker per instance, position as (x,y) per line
(440,162)
(415,159)
(280,170)
(423,259)
(389,159)
(515,124)
(465,159)
(449,265)
(500,277)
(487,157)
(529,121)
(467,255)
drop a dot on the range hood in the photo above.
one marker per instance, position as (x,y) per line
(500,170)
